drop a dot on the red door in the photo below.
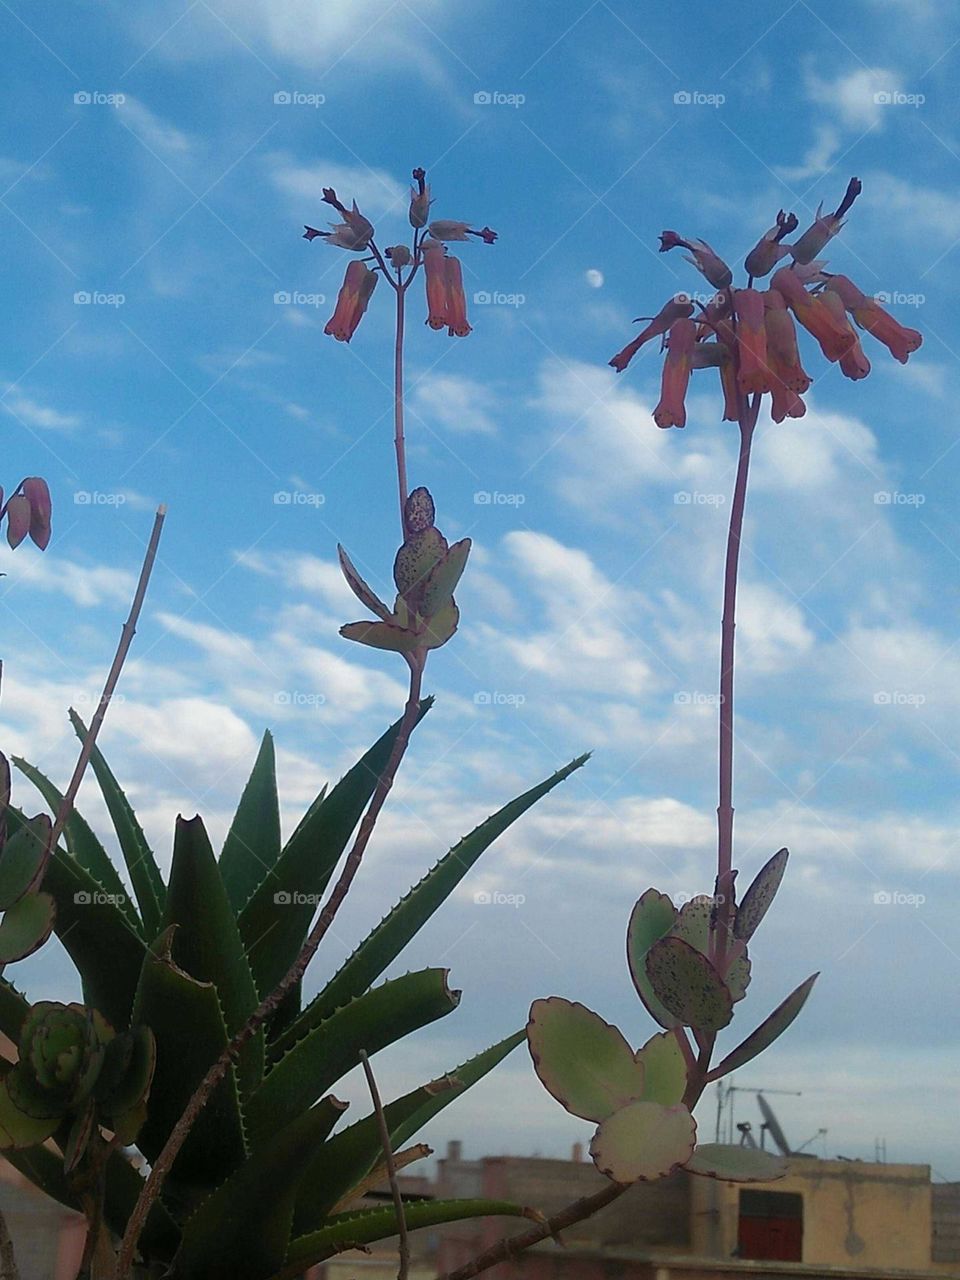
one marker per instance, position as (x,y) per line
(771,1226)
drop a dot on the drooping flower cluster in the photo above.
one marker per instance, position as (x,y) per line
(446,300)
(749,334)
(28,511)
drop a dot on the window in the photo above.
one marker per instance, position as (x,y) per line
(771,1226)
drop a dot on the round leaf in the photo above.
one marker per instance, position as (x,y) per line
(417,557)
(643,1141)
(759,896)
(693,926)
(664,1069)
(26,926)
(19,1130)
(583,1061)
(443,578)
(736,1164)
(652,917)
(440,627)
(688,985)
(23,861)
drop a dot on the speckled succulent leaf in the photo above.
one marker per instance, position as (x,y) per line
(364,593)
(736,1164)
(643,1142)
(416,557)
(381,635)
(687,985)
(582,1060)
(419,511)
(438,630)
(693,926)
(651,919)
(26,926)
(23,860)
(443,578)
(759,896)
(664,1069)
(19,1130)
(769,1030)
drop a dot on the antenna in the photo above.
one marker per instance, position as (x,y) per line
(726,1101)
(771,1125)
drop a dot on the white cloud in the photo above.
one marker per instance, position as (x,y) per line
(855,98)
(157,133)
(458,404)
(35,414)
(374,190)
(84,585)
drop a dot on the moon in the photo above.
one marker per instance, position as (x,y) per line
(594,278)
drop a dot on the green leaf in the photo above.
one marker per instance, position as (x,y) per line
(243,1228)
(252,845)
(106,950)
(769,1030)
(138,856)
(14,1008)
(417,557)
(687,985)
(643,1142)
(736,1164)
(26,926)
(207,942)
(273,926)
(443,578)
(316,1063)
(583,1061)
(345,1159)
(440,627)
(349,1230)
(759,896)
(23,860)
(359,588)
(382,946)
(83,845)
(381,635)
(651,919)
(693,926)
(664,1069)
(186,1018)
(17,1129)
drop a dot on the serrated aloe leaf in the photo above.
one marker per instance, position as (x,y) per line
(17,1129)
(23,860)
(207,942)
(381,635)
(186,1018)
(275,921)
(769,1030)
(664,1069)
(316,1063)
(382,946)
(252,845)
(350,1230)
(106,950)
(138,857)
(687,985)
(736,1164)
(643,1142)
(651,919)
(693,926)
(583,1061)
(443,578)
(345,1159)
(14,1008)
(243,1228)
(82,845)
(758,897)
(26,926)
(359,588)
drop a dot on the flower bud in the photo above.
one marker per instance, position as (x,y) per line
(19,515)
(399,255)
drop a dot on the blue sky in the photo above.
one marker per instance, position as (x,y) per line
(172,192)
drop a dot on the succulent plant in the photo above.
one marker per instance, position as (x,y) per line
(262,1185)
(28,914)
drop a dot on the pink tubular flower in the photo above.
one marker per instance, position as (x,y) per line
(445,229)
(869,315)
(834,338)
(825,228)
(35,490)
(355,292)
(707,262)
(768,251)
(783,357)
(753,374)
(853,363)
(456,301)
(419,200)
(670,412)
(669,313)
(435,274)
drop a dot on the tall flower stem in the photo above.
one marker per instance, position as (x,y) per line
(748,422)
(398,437)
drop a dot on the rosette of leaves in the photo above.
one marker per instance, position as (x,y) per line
(75,1075)
(267,1183)
(641,1100)
(28,914)
(426,572)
